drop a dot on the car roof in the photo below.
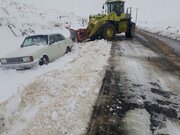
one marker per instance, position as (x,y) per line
(112,1)
(48,34)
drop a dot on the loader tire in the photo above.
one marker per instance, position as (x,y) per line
(109,32)
(94,37)
(131,31)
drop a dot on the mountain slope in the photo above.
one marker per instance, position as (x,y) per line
(22,19)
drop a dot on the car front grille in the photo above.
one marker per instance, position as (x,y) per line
(14,60)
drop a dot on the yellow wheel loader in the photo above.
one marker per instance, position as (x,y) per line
(113,21)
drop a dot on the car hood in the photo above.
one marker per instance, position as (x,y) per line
(25,51)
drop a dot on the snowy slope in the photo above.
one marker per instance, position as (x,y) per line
(157,16)
(23,19)
(170,29)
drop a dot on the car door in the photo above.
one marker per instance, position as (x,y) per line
(54,51)
(62,43)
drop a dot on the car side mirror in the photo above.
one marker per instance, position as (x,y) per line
(21,46)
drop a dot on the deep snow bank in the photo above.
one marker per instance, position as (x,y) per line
(168,29)
(61,100)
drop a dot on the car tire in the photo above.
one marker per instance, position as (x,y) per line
(68,49)
(44,60)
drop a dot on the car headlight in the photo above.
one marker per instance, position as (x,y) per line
(3,61)
(28,59)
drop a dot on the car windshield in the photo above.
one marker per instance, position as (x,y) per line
(35,40)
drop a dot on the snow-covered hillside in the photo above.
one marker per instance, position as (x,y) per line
(170,29)
(157,16)
(22,19)
(18,19)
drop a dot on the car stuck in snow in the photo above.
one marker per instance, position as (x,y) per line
(37,50)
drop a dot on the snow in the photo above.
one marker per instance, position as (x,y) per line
(63,92)
(157,16)
(24,19)
(8,42)
(54,116)
(172,127)
(136,120)
(168,29)
(78,7)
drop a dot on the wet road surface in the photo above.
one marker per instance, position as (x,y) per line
(140,94)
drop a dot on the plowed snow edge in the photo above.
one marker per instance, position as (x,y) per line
(60,101)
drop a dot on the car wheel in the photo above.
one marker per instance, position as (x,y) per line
(68,49)
(44,60)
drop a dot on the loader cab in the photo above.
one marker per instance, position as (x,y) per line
(115,6)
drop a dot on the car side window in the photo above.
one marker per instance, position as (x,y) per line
(52,39)
(59,38)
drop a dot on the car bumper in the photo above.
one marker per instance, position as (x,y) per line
(21,65)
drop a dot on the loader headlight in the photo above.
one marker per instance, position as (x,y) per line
(3,61)
(28,59)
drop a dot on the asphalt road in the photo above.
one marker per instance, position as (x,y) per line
(140,94)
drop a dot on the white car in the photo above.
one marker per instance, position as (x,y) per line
(37,50)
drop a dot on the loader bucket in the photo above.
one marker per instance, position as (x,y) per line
(79,35)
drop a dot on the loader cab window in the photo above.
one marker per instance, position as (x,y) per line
(117,7)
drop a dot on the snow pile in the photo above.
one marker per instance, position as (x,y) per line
(169,29)
(59,101)
(135,120)
(25,19)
